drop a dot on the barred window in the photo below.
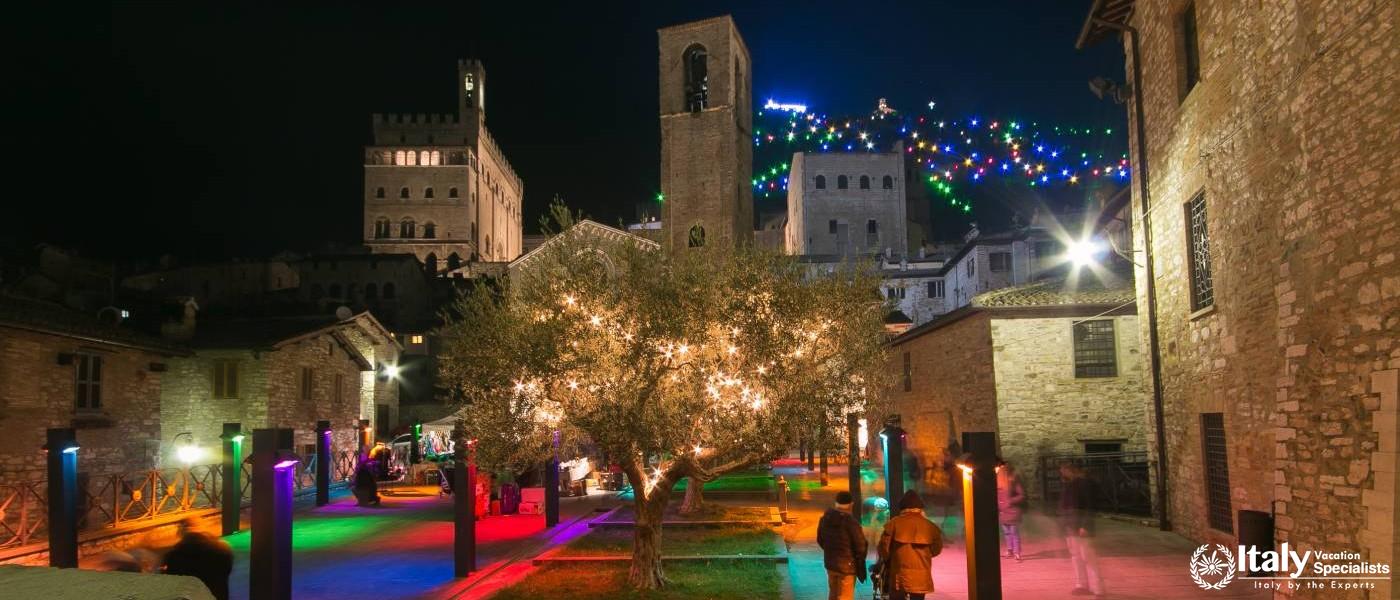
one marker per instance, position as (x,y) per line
(1217,467)
(1094,351)
(1202,287)
(89,382)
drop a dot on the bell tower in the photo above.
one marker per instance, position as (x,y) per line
(706,135)
(471,97)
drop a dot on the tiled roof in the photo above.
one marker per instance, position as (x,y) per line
(55,319)
(1087,288)
(260,332)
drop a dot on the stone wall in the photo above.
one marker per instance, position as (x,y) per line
(1043,409)
(37,393)
(811,209)
(1290,134)
(953,387)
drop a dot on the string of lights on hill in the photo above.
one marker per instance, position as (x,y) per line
(957,157)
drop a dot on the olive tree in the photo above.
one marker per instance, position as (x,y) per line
(674,364)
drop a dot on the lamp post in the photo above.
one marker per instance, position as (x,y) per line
(892,439)
(188,453)
(979,479)
(323,463)
(853,462)
(270,555)
(232,463)
(62,462)
(551,485)
(464,510)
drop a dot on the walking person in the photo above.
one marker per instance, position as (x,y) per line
(843,549)
(1077,522)
(1011,504)
(202,556)
(907,547)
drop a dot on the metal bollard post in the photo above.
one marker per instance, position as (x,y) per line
(782,498)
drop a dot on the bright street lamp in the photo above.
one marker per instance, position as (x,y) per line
(1082,253)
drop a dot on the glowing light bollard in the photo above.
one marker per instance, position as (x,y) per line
(323,463)
(270,555)
(363,442)
(853,462)
(892,441)
(62,462)
(464,512)
(979,477)
(782,498)
(231,496)
(415,447)
(551,486)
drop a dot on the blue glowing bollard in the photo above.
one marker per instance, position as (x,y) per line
(62,460)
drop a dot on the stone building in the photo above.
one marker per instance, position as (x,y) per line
(217,286)
(847,204)
(280,372)
(65,368)
(1053,367)
(1265,207)
(706,126)
(439,187)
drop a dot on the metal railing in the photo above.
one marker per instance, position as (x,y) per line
(1120,481)
(114,500)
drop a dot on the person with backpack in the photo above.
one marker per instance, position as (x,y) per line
(843,549)
(1011,504)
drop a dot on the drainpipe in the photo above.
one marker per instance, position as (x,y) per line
(1154,345)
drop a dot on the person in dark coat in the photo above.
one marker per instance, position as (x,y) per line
(1076,517)
(907,547)
(201,556)
(366,484)
(843,548)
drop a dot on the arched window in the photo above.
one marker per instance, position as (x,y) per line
(436,156)
(335,291)
(424,158)
(412,158)
(316,291)
(408,229)
(864,182)
(887,182)
(452,192)
(399,158)
(821,182)
(430,263)
(371,291)
(453,262)
(697,237)
(381,228)
(842,183)
(429,230)
(697,78)
(403,193)
(427,192)
(488,244)
(389,290)
(379,192)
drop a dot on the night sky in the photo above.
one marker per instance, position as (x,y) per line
(221,131)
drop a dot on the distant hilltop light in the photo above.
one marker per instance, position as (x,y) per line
(793,108)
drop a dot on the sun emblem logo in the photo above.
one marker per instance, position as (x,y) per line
(1215,570)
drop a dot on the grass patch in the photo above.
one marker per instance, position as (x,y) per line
(733,483)
(608,581)
(678,541)
(708,512)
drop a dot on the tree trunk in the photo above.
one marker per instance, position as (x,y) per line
(694,496)
(646,571)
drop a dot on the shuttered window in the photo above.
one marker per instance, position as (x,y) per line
(89,382)
(225,379)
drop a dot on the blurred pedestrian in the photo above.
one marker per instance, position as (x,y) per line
(843,549)
(201,556)
(1077,522)
(366,486)
(907,547)
(1011,504)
